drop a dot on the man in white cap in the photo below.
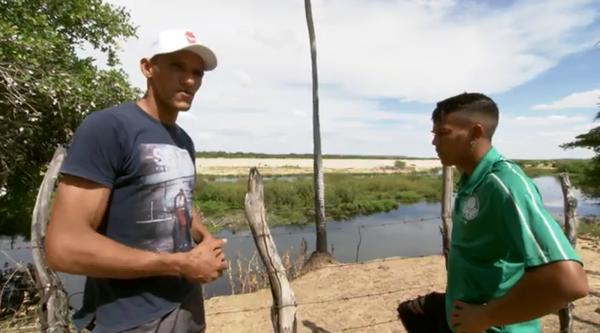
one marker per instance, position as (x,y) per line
(123,214)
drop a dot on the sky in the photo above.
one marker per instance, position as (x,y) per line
(382,65)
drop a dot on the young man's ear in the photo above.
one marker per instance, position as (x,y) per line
(146,67)
(477,131)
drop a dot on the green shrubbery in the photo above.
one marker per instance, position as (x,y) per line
(589,226)
(292,202)
(573,166)
(47,88)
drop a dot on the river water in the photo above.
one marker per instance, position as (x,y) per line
(411,230)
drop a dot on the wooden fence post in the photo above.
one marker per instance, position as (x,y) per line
(283,311)
(446,227)
(565,314)
(53,309)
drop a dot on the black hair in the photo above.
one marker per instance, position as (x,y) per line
(476,106)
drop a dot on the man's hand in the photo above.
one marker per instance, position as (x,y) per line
(205,262)
(468,318)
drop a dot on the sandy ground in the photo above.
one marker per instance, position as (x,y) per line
(363,297)
(283,166)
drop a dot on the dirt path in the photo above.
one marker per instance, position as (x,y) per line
(363,297)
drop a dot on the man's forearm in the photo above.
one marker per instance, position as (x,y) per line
(86,252)
(539,292)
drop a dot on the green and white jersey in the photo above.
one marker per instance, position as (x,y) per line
(500,228)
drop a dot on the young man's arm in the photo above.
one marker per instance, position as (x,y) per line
(540,291)
(74,246)
(553,273)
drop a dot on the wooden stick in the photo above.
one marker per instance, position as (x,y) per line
(283,311)
(565,315)
(53,309)
(446,228)
(570,207)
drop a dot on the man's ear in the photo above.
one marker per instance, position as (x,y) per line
(477,131)
(146,67)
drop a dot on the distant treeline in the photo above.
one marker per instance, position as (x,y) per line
(576,168)
(214,154)
(536,168)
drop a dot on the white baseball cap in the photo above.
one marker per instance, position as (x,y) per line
(169,41)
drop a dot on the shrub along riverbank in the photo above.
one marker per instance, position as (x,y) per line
(290,199)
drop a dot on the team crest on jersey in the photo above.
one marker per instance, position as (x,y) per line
(471,208)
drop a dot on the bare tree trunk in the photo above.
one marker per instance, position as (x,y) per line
(565,314)
(446,227)
(53,309)
(318,160)
(283,312)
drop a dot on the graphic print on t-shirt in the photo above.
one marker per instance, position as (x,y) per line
(164,215)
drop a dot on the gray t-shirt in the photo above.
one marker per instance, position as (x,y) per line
(150,168)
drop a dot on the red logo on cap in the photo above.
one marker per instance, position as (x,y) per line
(190,37)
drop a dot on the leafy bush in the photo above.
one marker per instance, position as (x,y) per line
(399,164)
(46,89)
(346,195)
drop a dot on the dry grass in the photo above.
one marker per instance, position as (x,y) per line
(250,276)
(18,299)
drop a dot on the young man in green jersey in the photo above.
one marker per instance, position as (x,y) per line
(510,262)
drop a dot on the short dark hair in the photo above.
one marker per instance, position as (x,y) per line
(476,106)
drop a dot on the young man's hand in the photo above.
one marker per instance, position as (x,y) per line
(206,262)
(469,318)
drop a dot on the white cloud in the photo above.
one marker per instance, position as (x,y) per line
(537,137)
(402,49)
(259,97)
(585,99)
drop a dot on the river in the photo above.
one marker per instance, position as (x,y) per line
(410,230)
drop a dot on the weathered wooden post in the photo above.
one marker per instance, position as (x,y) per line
(446,227)
(53,309)
(565,314)
(570,207)
(283,311)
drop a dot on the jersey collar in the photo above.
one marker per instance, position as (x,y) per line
(467,184)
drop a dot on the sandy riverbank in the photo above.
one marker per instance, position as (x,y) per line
(363,297)
(285,166)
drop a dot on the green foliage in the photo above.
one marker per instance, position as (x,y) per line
(537,168)
(589,226)
(214,208)
(292,202)
(410,196)
(399,164)
(46,89)
(216,198)
(590,140)
(534,172)
(573,166)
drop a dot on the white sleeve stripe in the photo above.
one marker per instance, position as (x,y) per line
(536,205)
(522,219)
